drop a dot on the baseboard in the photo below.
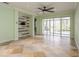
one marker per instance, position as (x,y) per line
(24,37)
(6,43)
(39,34)
(76,45)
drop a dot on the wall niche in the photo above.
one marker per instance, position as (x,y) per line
(23,26)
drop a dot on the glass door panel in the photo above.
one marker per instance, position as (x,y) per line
(51,26)
(45,27)
(48,27)
(57,26)
(66,26)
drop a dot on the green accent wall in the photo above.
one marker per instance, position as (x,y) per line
(7,24)
(77,26)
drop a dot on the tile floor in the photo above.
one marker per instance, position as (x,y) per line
(40,46)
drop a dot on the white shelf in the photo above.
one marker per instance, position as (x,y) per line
(23,29)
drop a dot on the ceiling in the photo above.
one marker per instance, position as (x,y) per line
(32,7)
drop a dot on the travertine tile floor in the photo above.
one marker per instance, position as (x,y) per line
(40,46)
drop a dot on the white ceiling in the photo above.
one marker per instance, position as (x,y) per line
(32,7)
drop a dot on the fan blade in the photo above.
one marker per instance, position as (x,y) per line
(5,2)
(50,11)
(50,8)
(40,8)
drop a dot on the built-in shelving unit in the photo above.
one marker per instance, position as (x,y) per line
(23,26)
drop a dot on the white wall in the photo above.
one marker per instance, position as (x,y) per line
(77,26)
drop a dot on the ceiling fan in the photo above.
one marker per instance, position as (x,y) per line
(45,9)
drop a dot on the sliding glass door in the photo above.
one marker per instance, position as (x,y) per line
(57,26)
